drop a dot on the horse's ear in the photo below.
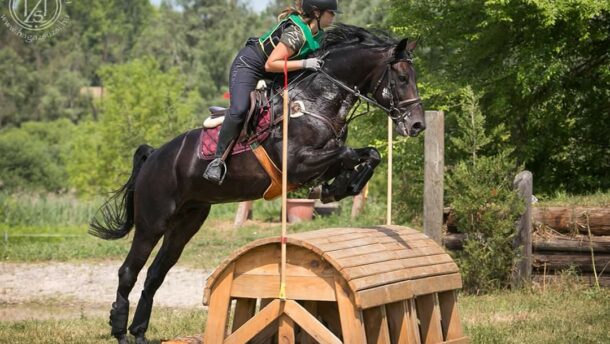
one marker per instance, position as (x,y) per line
(412,45)
(404,47)
(401,47)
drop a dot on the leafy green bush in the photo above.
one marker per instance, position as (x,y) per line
(480,191)
(34,155)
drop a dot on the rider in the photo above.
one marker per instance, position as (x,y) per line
(298,34)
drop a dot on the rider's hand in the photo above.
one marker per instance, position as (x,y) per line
(312,64)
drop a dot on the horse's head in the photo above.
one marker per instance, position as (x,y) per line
(396,89)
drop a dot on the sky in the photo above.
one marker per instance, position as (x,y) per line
(257,5)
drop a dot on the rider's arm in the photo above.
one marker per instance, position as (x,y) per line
(275,62)
(291,41)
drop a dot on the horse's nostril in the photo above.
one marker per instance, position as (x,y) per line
(418,126)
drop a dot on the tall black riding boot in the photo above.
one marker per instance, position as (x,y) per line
(217,169)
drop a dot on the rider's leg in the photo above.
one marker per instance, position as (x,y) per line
(244,77)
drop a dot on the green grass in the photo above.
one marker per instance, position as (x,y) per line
(87,329)
(561,199)
(559,315)
(215,240)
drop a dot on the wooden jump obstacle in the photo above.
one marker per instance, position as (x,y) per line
(383,284)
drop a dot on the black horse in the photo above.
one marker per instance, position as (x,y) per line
(166,196)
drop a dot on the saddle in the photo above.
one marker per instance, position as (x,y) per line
(257,128)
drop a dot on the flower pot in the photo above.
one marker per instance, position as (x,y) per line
(298,209)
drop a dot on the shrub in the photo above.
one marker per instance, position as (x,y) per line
(480,190)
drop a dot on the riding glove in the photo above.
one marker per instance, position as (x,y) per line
(312,64)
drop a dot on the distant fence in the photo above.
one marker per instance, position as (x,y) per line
(561,238)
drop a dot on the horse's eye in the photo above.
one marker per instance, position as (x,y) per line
(403,78)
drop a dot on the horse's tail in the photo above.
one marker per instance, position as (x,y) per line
(115,218)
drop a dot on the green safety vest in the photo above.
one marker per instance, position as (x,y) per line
(269,40)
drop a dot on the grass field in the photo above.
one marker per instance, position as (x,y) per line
(565,313)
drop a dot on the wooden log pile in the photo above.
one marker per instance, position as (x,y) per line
(562,238)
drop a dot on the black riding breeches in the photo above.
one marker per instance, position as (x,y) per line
(247,69)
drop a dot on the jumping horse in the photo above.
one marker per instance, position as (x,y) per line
(166,196)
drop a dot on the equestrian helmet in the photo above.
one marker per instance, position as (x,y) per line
(322,5)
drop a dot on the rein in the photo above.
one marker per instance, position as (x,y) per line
(394,111)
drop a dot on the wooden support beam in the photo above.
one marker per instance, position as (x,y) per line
(253,326)
(220,299)
(376,325)
(450,320)
(434,164)
(523,268)
(309,323)
(429,319)
(352,324)
(285,333)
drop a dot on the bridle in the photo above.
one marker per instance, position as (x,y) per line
(398,111)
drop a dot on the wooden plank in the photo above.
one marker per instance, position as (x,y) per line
(286,330)
(463,340)
(450,319)
(352,323)
(297,288)
(244,310)
(211,280)
(434,165)
(402,275)
(311,307)
(384,244)
(385,255)
(376,325)
(219,307)
(522,271)
(256,324)
(265,260)
(405,239)
(243,213)
(401,329)
(406,290)
(394,265)
(429,319)
(368,232)
(309,323)
(413,321)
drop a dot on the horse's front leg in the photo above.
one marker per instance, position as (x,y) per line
(311,163)
(349,181)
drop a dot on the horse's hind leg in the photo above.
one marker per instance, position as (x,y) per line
(174,240)
(141,246)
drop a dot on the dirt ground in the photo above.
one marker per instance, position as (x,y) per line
(65,290)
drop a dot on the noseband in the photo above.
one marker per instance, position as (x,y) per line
(407,105)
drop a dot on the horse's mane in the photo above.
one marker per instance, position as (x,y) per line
(343,35)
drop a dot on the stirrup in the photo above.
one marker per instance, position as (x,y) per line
(216,171)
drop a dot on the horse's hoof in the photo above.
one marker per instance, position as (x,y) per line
(315,192)
(122,339)
(141,340)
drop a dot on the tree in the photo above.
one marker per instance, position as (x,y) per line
(541,67)
(143,105)
(34,155)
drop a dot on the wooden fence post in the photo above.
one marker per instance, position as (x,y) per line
(244,212)
(523,267)
(434,164)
